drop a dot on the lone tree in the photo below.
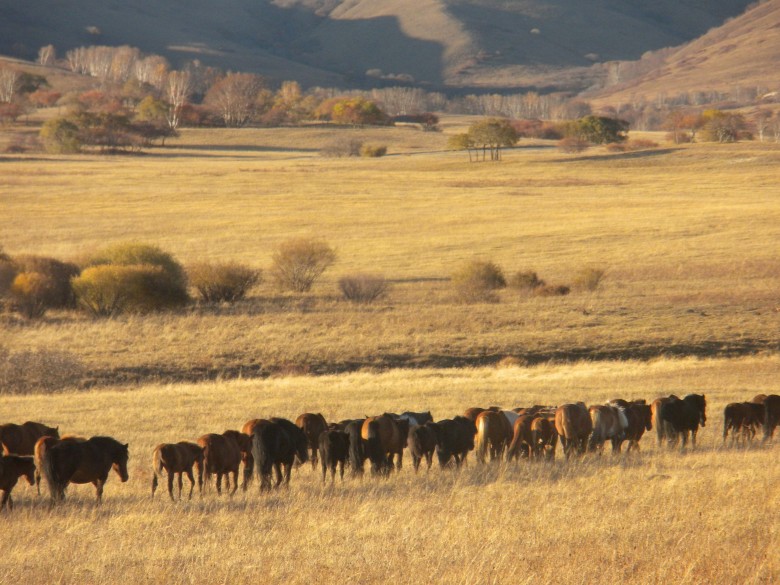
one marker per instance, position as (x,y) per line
(488,135)
(297,263)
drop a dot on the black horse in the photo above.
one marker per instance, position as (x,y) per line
(684,416)
(422,444)
(454,439)
(275,446)
(333,446)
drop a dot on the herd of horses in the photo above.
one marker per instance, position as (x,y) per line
(268,449)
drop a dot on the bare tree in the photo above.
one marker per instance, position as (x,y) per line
(234,97)
(177,89)
(47,55)
(8,79)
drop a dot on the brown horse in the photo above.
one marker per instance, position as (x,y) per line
(89,461)
(385,437)
(640,419)
(543,436)
(20,439)
(41,445)
(312,425)
(12,467)
(663,430)
(177,458)
(494,434)
(573,425)
(275,446)
(222,455)
(522,440)
(771,413)
(422,445)
(249,461)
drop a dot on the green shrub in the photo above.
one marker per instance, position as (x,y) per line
(297,263)
(225,282)
(60,136)
(110,289)
(58,274)
(477,281)
(589,278)
(363,288)
(525,280)
(373,151)
(31,292)
(133,253)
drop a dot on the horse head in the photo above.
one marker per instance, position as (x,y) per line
(120,461)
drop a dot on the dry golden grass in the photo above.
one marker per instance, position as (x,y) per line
(687,236)
(707,516)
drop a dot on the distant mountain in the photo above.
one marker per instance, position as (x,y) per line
(744,52)
(436,43)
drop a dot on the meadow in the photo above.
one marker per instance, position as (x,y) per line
(688,238)
(704,516)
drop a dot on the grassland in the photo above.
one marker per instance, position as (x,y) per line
(707,516)
(687,235)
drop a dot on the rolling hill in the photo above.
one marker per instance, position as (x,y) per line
(435,43)
(744,52)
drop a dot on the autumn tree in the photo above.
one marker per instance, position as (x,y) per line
(490,135)
(8,81)
(177,90)
(355,111)
(722,126)
(47,55)
(234,97)
(599,129)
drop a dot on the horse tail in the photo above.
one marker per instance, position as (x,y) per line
(660,431)
(261,453)
(207,455)
(157,468)
(597,435)
(49,470)
(356,453)
(482,438)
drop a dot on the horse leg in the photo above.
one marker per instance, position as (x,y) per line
(415,462)
(324,469)
(154,483)
(235,480)
(400,463)
(192,483)
(219,483)
(278,469)
(314,456)
(6,499)
(170,484)
(98,483)
(181,482)
(287,472)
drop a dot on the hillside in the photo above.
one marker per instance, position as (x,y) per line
(743,52)
(488,43)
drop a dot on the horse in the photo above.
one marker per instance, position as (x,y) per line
(522,440)
(771,413)
(422,444)
(494,434)
(544,438)
(573,425)
(663,430)
(275,445)
(640,419)
(333,446)
(357,448)
(385,438)
(312,425)
(12,467)
(83,461)
(473,412)
(222,455)
(20,439)
(177,458)
(609,423)
(684,416)
(454,439)
(742,418)
(249,463)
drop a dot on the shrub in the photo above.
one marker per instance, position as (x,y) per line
(31,292)
(133,253)
(525,280)
(589,278)
(477,281)
(372,151)
(225,282)
(342,148)
(23,372)
(60,136)
(60,294)
(363,288)
(8,272)
(552,290)
(573,145)
(110,289)
(297,263)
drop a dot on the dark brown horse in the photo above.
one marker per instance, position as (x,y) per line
(385,437)
(41,445)
(333,446)
(454,439)
(742,419)
(663,430)
(312,425)
(275,445)
(543,436)
(223,455)
(522,439)
(494,435)
(422,445)
(20,439)
(573,425)
(12,467)
(177,458)
(89,461)
(640,419)
(249,463)
(771,413)
(684,417)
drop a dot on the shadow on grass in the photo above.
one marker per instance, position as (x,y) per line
(622,155)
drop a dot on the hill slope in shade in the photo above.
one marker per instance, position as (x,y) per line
(491,43)
(744,52)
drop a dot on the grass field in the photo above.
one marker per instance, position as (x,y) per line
(706,516)
(687,236)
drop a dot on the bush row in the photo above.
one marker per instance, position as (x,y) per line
(141,278)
